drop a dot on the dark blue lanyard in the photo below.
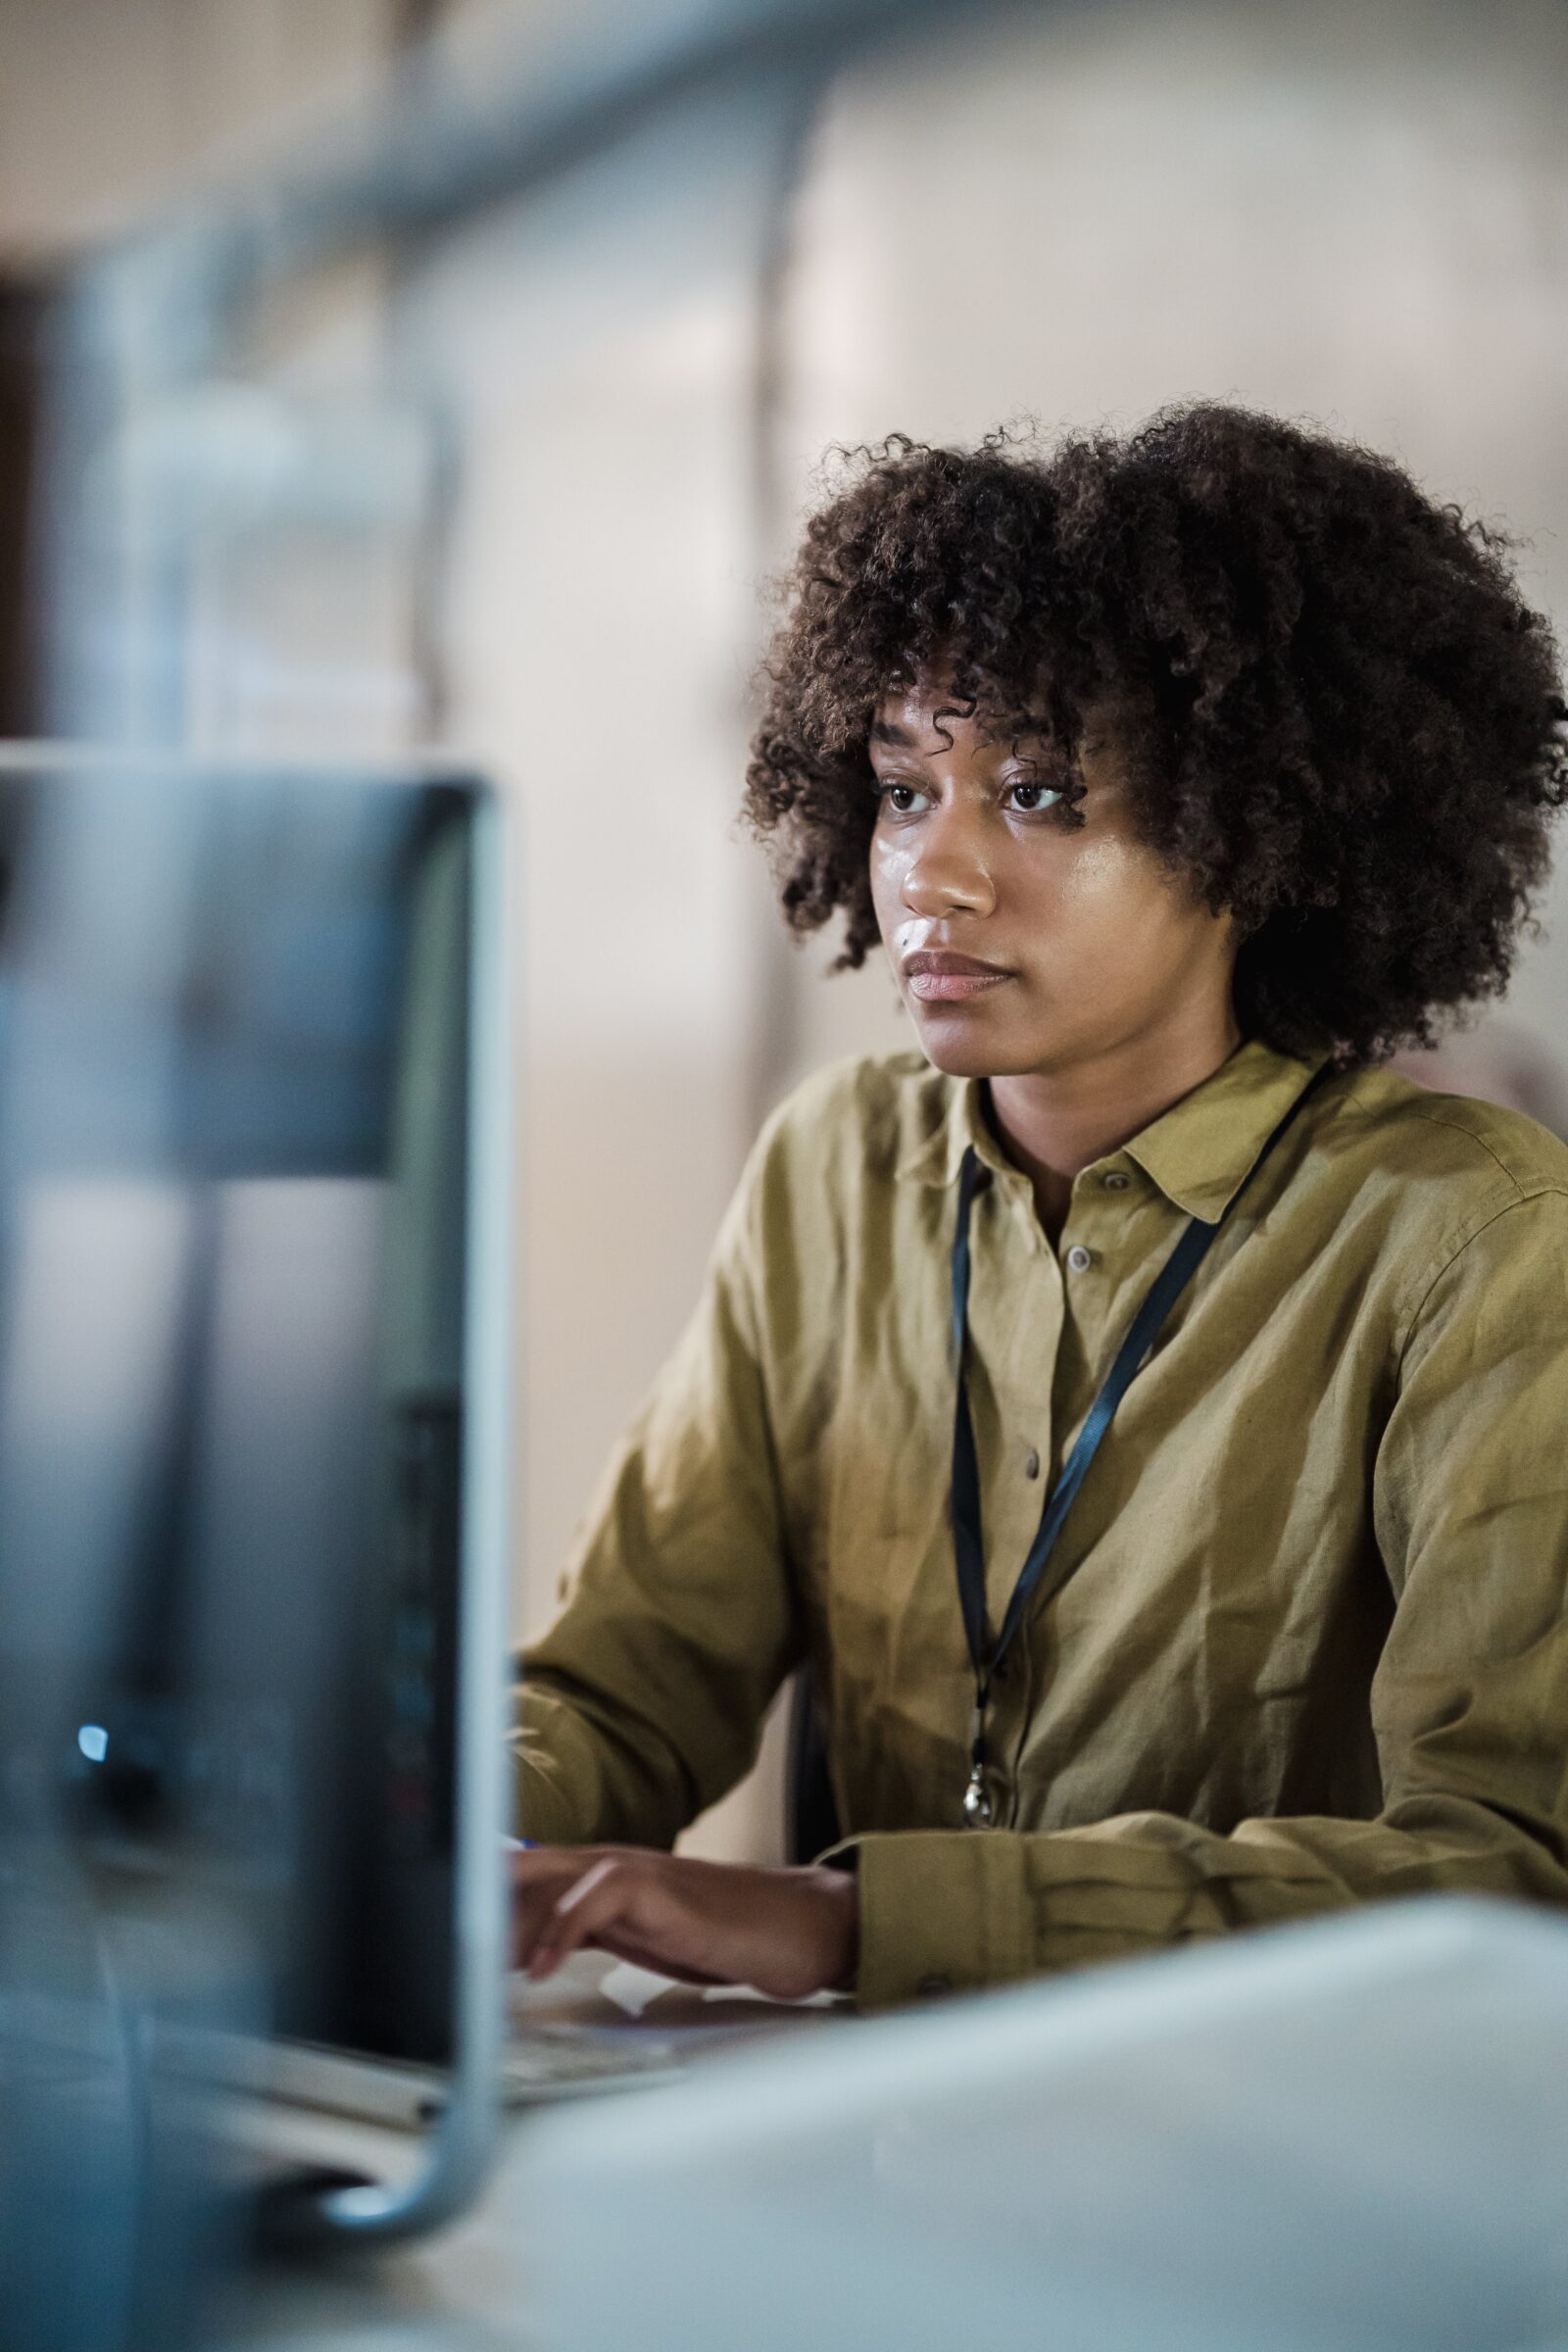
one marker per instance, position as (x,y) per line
(986,1654)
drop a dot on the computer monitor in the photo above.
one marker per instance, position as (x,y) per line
(252,1304)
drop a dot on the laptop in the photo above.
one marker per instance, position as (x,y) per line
(254,1565)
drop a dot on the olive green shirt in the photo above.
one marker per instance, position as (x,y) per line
(1312,1648)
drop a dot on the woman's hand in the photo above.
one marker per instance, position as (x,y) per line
(788,1932)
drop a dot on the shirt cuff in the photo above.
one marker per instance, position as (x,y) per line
(941,1911)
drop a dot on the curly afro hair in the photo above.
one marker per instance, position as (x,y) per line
(1341,720)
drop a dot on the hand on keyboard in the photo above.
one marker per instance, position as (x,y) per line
(789,1932)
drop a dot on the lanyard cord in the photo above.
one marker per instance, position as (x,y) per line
(985,1654)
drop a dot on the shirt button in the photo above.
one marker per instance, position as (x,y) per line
(931,1988)
(1115,1182)
(1079,1259)
(1031,1464)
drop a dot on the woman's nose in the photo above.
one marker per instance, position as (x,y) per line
(947,872)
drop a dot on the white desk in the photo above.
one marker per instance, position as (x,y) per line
(1350,2136)
(1347,2136)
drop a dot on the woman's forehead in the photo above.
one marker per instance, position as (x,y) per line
(924,714)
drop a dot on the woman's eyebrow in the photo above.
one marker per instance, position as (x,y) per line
(888,730)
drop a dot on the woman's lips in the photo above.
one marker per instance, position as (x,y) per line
(938,987)
(954,988)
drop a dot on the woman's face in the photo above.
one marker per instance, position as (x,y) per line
(1022,943)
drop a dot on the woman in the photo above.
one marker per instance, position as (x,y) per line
(1183,777)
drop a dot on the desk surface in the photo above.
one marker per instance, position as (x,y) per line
(1345,2132)
(464,2289)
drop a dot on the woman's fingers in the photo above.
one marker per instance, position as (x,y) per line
(788,1932)
(605,1897)
(641,1906)
(539,1878)
(590,1903)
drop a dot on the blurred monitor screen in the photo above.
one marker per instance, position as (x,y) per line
(234,1024)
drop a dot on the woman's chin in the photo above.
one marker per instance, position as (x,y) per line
(964,1047)
(956,1055)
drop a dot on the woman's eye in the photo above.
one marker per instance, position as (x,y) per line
(1032,797)
(901,798)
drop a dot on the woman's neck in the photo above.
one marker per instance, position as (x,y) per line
(1053,1123)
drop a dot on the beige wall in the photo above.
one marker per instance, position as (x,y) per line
(106,106)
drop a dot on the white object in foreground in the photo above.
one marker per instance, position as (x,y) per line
(1352,2135)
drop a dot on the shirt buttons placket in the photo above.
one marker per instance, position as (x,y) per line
(1079,1259)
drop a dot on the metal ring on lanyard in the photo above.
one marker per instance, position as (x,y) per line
(985,1653)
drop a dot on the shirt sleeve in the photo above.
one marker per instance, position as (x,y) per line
(1469,1700)
(644,1701)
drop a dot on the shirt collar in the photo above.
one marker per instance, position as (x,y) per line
(1198,1152)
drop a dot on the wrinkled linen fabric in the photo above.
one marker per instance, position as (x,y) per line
(1312,1648)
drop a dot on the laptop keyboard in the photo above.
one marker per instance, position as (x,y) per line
(550,2062)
